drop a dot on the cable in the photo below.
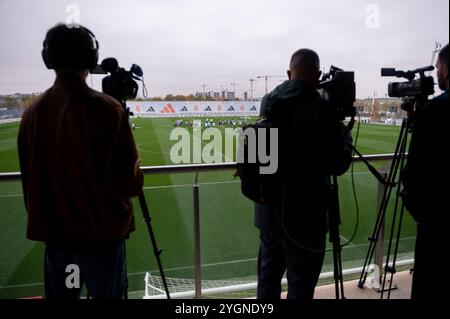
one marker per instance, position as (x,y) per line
(285,231)
(355,197)
(355,230)
(144,88)
(283,224)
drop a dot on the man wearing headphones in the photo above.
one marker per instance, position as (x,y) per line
(79,169)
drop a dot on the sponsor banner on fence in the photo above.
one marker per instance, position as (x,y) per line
(180,108)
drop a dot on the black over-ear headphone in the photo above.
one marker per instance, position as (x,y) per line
(87,60)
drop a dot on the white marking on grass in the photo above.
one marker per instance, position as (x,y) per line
(22,285)
(346,241)
(154,187)
(190,185)
(386,241)
(143,272)
(181,185)
(210,264)
(190,267)
(138,147)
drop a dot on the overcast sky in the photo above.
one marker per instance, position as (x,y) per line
(182,45)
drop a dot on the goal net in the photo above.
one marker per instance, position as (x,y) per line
(185,288)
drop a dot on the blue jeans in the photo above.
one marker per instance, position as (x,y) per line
(103,272)
(278,254)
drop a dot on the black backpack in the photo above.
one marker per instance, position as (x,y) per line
(255,186)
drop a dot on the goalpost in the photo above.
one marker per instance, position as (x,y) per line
(185,288)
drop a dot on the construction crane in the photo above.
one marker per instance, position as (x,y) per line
(269,76)
(437,48)
(234,84)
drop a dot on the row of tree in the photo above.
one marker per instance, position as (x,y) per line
(170,97)
(17,101)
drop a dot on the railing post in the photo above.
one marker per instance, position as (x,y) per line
(197,253)
(379,248)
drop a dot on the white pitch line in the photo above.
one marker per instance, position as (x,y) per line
(207,265)
(346,241)
(226,157)
(386,241)
(138,147)
(190,185)
(143,272)
(189,267)
(180,185)
(154,187)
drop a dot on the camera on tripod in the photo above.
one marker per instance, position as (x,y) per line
(415,91)
(338,87)
(120,84)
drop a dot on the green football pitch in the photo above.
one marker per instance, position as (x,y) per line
(229,240)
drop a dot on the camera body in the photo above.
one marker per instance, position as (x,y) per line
(120,84)
(417,87)
(413,92)
(338,87)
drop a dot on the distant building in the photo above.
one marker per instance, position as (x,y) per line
(223,95)
(380,110)
(230,96)
(205,95)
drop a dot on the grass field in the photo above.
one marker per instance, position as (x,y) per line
(229,239)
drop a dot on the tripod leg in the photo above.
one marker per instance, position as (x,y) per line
(334,222)
(341,273)
(392,269)
(156,251)
(394,260)
(383,206)
(125,288)
(336,273)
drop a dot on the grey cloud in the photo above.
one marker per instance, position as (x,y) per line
(183,44)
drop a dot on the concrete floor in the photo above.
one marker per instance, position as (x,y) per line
(401,280)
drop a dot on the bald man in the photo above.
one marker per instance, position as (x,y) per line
(293,223)
(425,179)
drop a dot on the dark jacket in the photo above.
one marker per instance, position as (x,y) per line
(311,148)
(427,175)
(77,159)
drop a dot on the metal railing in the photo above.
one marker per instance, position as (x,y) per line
(197,168)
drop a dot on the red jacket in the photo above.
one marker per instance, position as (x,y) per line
(78,164)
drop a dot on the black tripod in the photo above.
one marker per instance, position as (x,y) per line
(334,220)
(397,166)
(157,252)
(147,219)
